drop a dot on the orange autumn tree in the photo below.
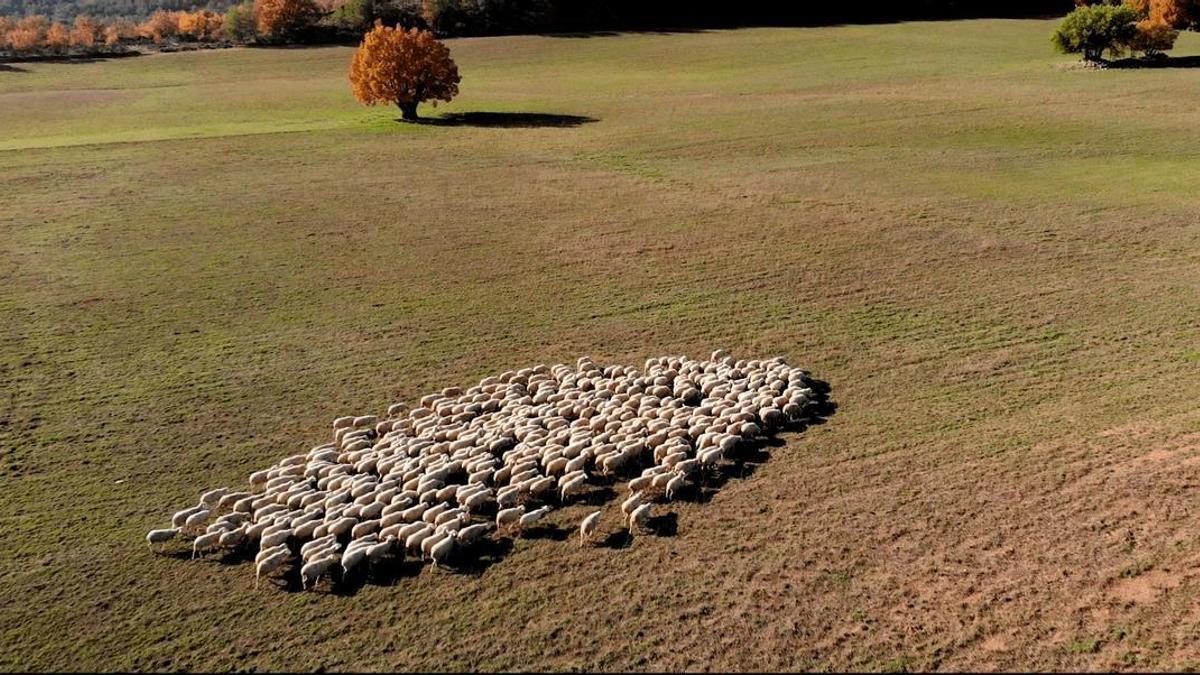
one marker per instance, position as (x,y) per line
(85,31)
(58,37)
(1175,14)
(282,19)
(28,34)
(160,26)
(200,25)
(404,68)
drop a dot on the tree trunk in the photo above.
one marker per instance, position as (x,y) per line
(408,111)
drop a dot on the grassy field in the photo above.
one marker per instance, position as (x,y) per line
(993,259)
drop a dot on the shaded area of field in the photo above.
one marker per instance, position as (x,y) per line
(991,258)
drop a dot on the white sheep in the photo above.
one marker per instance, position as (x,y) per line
(416,476)
(532,517)
(507,518)
(204,543)
(311,572)
(441,551)
(160,536)
(588,527)
(269,564)
(639,517)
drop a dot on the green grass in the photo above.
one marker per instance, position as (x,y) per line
(992,258)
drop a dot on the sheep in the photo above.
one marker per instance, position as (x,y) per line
(639,517)
(197,519)
(415,476)
(311,573)
(413,543)
(432,540)
(204,543)
(473,533)
(180,517)
(441,551)
(377,552)
(507,518)
(232,538)
(275,538)
(352,558)
(269,564)
(632,502)
(159,536)
(588,527)
(211,497)
(532,517)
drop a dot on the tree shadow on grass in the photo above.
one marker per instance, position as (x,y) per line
(9,68)
(505,120)
(1162,62)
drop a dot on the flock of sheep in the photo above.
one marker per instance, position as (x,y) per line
(437,479)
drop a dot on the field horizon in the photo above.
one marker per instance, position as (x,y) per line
(990,256)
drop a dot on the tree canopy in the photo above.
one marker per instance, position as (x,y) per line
(404,67)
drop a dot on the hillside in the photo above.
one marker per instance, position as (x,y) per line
(990,256)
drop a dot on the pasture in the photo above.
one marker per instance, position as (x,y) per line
(992,258)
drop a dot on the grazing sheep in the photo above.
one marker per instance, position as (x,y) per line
(160,536)
(311,573)
(677,483)
(211,497)
(180,517)
(472,534)
(352,558)
(638,519)
(204,543)
(269,564)
(507,518)
(441,552)
(197,519)
(532,517)
(415,478)
(588,527)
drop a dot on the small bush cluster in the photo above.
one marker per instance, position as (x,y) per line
(1143,27)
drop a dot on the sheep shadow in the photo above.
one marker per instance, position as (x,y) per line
(597,497)
(666,525)
(551,532)
(504,120)
(482,556)
(617,539)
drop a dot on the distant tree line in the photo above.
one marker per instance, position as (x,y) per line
(64,27)
(500,16)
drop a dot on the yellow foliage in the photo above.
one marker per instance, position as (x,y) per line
(58,37)
(201,25)
(84,33)
(160,25)
(402,67)
(278,18)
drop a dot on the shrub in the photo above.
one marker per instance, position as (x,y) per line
(1092,30)
(402,67)
(238,24)
(1152,38)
